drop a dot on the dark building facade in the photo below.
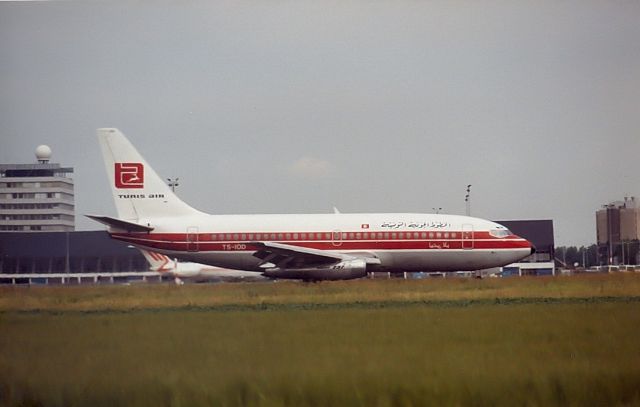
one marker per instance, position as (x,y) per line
(540,233)
(67,252)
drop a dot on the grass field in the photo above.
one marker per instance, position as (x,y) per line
(546,341)
(265,294)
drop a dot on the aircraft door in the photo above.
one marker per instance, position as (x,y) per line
(336,238)
(467,236)
(192,239)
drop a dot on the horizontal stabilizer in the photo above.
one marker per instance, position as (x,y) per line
(120,224)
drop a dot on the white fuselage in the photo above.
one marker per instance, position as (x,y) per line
(320,246)
(401,241)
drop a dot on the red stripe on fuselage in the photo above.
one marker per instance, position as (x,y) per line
(478,240)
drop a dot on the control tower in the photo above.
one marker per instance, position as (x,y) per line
(36,197)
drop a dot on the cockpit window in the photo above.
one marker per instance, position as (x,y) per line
(500,232)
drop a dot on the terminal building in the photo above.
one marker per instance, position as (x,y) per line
(36,197)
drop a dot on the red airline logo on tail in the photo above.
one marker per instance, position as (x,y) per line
(129,175)
(160,257)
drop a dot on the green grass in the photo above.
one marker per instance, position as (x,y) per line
(155,296)
(458,348)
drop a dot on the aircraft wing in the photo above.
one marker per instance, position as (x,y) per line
(288,256)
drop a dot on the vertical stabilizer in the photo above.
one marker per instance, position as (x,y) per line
(159,262)
(139,193)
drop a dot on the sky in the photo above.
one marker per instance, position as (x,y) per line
(300,106)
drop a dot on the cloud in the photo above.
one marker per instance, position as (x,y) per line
(311,167)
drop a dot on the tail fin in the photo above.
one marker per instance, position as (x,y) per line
(159,262)
(139,192)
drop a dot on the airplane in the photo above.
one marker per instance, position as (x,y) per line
(195,271)
(310,247)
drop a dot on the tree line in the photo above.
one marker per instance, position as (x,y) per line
(594,255)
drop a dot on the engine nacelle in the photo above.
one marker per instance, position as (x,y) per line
(345,270)
(187,269)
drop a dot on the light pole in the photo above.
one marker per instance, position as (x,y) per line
(610,233)
(467,200)
(173,183)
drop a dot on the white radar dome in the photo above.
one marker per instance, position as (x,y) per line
(43,153)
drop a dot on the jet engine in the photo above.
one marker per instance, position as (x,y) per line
(344,270)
